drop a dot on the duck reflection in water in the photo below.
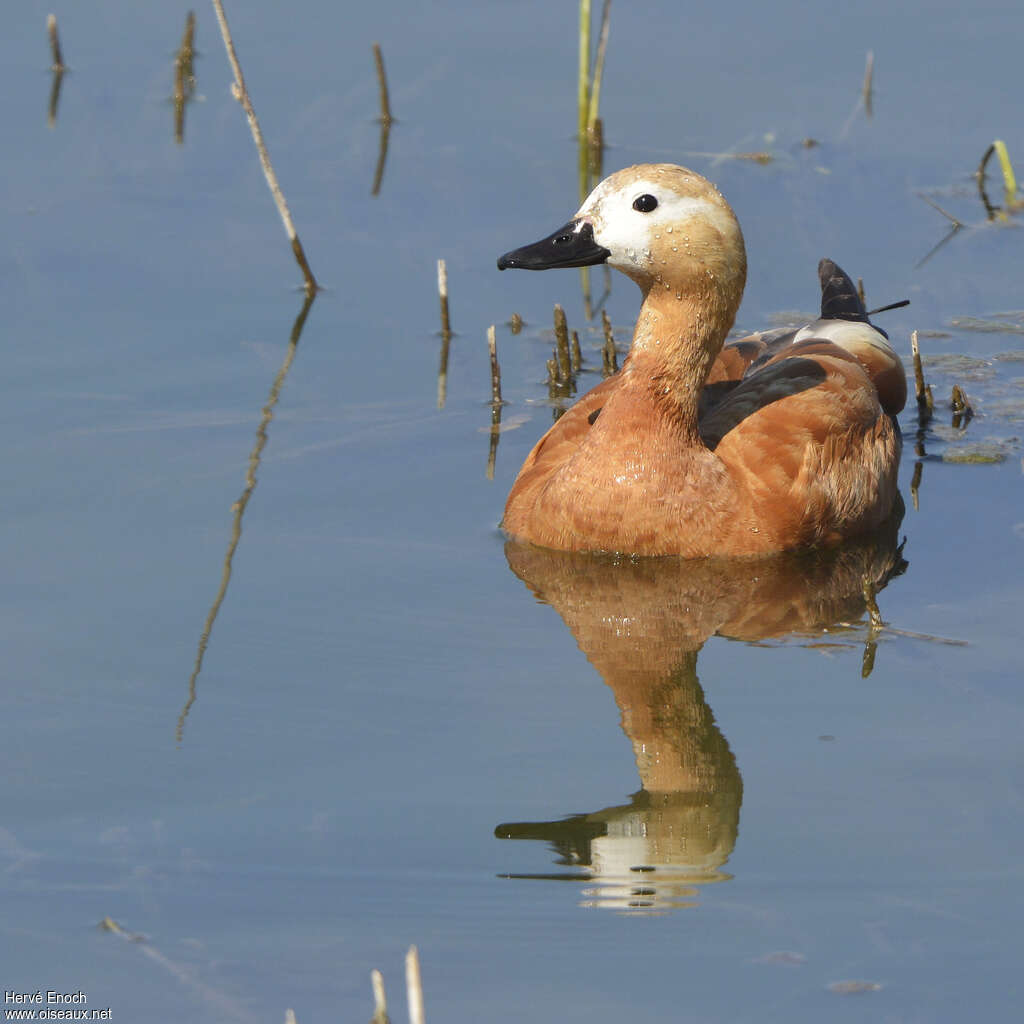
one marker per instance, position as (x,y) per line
(641,623)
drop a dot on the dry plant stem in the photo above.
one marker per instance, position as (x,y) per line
(985,157)
(760,157)
(945,213)
(959,400)
(583,80)
(516,323)
(289,1017)
(242,95)
(442,291)
(442,371)
(979,174)
(382,85)
(382,157)
(179,104)
(876,626)
(576,354)
(414,986)
(184,76)
(58,68)
(962,411)
(867,663)
(1009,179)
(562,345)
(187,50)
(921,391)
(583,101)
(495,436)
(860,292)
(55,50)
(446,333)
(609,357)
(223,1006)
(867,92)
(915,485)
(594,104)
(595,141)
(380,1002)
(51,115)
(872,605)
(492,346)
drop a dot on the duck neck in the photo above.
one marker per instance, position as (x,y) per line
(674,345)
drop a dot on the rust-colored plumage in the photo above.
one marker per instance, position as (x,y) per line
(778,441)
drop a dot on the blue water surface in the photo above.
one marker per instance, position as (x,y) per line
(378,692)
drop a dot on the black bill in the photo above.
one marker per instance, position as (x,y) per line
(570,246)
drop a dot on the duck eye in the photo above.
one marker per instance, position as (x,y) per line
(645,203)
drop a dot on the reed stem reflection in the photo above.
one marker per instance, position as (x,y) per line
(239,507)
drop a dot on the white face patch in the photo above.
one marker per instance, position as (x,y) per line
(634,238)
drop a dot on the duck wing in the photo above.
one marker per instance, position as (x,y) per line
(839,301)
(843,329)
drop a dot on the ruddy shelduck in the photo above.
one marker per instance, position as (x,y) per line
(780,440)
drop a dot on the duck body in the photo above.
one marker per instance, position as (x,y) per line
(780,440)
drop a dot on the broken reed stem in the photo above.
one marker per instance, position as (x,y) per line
(242,95)
(186,51)
(962,411)
(609,357)
(875,627)
(860,292)
(495,434)
(442,291)
(414,987)
(867,663)
(922,392)
(576,355)
(51,114)
(55,50)
(179,103)
(515,323)
(184,76)
(289,1017)
(869,589)
(382,157)
(446,333)
(380,1001)
(492,346)
(382,85)
(562,345)
(915,485)
(869,72)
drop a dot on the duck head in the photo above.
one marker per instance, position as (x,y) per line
(664,226)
